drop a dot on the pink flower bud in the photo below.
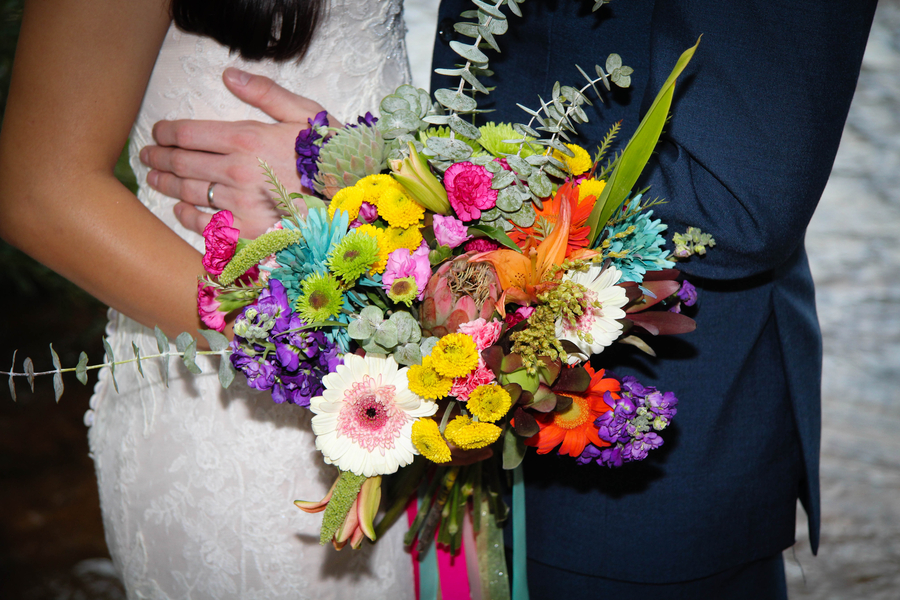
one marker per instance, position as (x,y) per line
(449,231)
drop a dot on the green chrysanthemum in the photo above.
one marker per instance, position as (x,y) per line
(444,132)
(403,289)
(493,136)
(353,256)
(321,299)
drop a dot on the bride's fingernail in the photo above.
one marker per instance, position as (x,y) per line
(152,178)
(236,76)
(144,155)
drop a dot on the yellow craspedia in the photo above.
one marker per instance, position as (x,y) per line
(590,187)
(426,382)
(383,247)
(577,164)
(348,199)
(455,355)
(402,238)
(399,209)
(426,437)
(463,433)
(489,402)
(373,186)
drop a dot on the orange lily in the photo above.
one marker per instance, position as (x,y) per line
(522,275)
(547,217)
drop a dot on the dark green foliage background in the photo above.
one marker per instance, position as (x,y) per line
(49,509)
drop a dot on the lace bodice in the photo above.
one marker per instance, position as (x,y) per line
(196,482)
(357,56)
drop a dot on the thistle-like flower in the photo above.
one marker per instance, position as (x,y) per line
(457,293)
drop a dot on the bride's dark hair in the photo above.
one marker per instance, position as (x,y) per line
(276,29)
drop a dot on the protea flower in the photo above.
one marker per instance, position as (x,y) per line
(458,292)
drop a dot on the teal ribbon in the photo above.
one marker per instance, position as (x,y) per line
(520,556)
(429,579)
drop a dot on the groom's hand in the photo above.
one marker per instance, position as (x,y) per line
(192,154)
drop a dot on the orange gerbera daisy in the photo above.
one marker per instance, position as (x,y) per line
(574,427)
(545,221)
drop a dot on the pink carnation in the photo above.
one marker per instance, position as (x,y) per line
(481,245)
(208,307)
(485,334)
(464,386)
(221,242)
(403,264)
(449,231)
(469,190)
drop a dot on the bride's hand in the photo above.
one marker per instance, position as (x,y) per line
(191,155)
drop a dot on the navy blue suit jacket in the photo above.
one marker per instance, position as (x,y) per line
(757,120)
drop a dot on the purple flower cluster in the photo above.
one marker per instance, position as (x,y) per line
(686,294)
(368,120)
(631,426)
(275,354)
(308,150)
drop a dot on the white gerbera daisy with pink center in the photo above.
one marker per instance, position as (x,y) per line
(602,307)
(363,419)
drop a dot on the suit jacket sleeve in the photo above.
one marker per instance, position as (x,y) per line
(756,123)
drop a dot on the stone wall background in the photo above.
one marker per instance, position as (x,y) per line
(854,250)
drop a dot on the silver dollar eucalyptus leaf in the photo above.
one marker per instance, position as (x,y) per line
(463,128)
(524,217)
(508,200)
(468,52)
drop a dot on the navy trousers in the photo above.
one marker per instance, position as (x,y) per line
(760,580)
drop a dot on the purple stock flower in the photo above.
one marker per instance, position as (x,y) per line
(369,120)
(687,293)
(275,352)
(308,149)
(631,425)
(260,375)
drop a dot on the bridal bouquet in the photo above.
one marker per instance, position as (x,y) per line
(453,292)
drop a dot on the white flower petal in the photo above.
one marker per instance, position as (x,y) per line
(347,449)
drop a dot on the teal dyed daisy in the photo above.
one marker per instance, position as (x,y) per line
(320,235)
(642,247)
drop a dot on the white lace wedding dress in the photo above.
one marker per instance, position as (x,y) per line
(196,483)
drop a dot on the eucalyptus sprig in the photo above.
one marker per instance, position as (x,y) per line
(284,201)
(563,112)
(460,102)
(186,350)
(520,190)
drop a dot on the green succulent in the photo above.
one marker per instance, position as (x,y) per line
(351,154)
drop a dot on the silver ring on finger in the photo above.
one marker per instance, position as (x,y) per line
(209,196)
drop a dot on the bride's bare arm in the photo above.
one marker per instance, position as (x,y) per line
(191,154)
(80,72)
